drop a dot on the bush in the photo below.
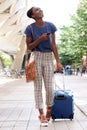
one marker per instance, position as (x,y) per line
(6,59)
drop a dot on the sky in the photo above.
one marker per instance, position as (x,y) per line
(57,11)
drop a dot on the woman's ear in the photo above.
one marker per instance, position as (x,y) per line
(33,16)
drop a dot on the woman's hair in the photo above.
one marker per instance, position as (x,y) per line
(30,13)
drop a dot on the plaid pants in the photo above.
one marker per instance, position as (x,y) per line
(45,73)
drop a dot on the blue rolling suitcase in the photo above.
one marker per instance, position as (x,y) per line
(63,107)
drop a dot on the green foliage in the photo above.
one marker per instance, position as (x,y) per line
(6,59)
(74,37)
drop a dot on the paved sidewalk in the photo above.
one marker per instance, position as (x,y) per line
(17,108)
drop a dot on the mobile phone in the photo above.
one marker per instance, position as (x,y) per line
(48,33)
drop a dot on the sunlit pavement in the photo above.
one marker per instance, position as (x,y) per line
(17,107)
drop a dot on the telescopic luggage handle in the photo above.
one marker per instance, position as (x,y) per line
(61,93)
(63,83)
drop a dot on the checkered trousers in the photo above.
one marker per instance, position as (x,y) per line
(45,68)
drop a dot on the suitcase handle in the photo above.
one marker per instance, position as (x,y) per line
(60,97)
(56,86)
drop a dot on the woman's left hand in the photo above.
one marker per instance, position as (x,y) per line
(59,66)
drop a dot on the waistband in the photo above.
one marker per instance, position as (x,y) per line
(38,52)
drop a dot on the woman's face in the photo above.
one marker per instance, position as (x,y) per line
(37,13)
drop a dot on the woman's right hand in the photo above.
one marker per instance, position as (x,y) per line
(45,36)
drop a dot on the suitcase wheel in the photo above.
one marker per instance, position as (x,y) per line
(71,117)
(53,120)
(53,117)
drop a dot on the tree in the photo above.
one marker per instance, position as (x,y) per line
(74,37)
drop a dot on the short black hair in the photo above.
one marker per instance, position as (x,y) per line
(29,13)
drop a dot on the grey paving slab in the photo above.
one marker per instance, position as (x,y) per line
(82,105)
(17,109)
(19,128)
(1,123)
(7,124)
(6,128)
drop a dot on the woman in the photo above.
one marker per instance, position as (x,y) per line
(42,43)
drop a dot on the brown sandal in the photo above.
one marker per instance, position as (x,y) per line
(48,114)
(43,120)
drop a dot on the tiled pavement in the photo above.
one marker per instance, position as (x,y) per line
(17,110)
